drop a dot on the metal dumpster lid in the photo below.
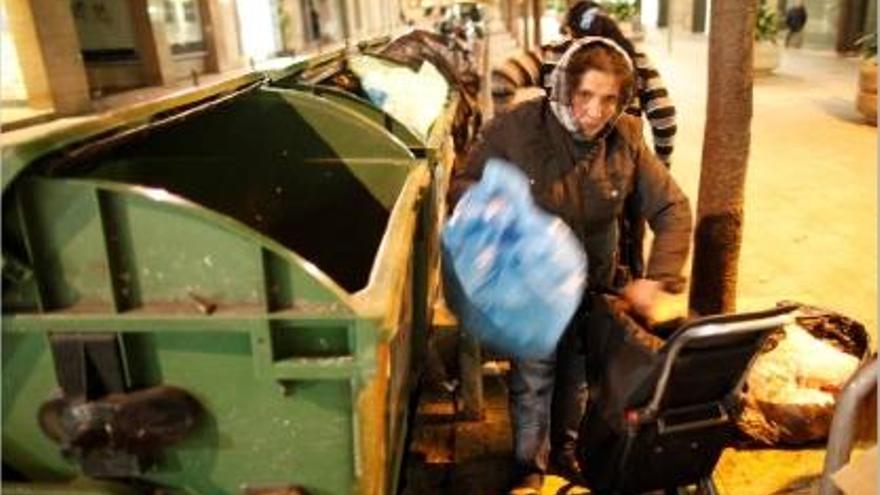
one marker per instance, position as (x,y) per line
(25,147)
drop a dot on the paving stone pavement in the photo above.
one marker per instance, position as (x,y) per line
(810,230)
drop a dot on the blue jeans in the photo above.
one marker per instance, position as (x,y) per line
(547,400)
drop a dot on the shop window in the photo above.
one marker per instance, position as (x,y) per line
(104,29)
(259,28)
(13,89)
(311,21)
(324,20)
(170,12)
(189,12)
(185,29)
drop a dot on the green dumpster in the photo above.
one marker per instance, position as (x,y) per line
(219,297)
(336,77)
(329,76)
(332,77)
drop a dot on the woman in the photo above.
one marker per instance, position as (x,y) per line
(583,157)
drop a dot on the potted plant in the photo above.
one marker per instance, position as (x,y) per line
(766,52)
(866,99)
(626,13)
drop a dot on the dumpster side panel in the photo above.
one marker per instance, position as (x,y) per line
(403,347)
(283,200)
(166,258)
(398,283)
(257,432)
(293,283)
(276,414)
(68,249)
(20,291)
(28,380)
(254,432)
(301,383)
(371,414)
(159,257)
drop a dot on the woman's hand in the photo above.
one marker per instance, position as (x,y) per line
(657,306)
(642,294)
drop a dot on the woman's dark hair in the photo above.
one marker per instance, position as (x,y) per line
(580,22)
(603,58)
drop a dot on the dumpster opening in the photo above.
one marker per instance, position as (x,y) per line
(322,212)
(258,160)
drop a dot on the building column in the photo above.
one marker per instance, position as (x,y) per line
(27,43)
(49,52)
(152,41)
(354,21)
(538,12)
(344,20)
(371,17)
(682,14)
(293,27)
(850,25)
(699,17)
(220,26)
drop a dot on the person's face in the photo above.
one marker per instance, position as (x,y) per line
(594,101)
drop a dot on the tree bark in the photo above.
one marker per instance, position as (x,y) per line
(718,232)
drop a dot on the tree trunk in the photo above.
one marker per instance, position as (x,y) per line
(718,231)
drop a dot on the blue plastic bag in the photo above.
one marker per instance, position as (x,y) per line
(514,274)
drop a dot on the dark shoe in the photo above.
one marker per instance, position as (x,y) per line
(565,464)
(529,484)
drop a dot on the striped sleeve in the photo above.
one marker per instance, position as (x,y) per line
(654,101)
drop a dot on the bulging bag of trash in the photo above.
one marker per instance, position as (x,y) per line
(792,386)
(514,274)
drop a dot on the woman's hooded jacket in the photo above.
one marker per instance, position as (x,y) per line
(539,136)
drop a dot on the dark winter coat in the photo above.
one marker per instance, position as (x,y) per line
(589,197)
